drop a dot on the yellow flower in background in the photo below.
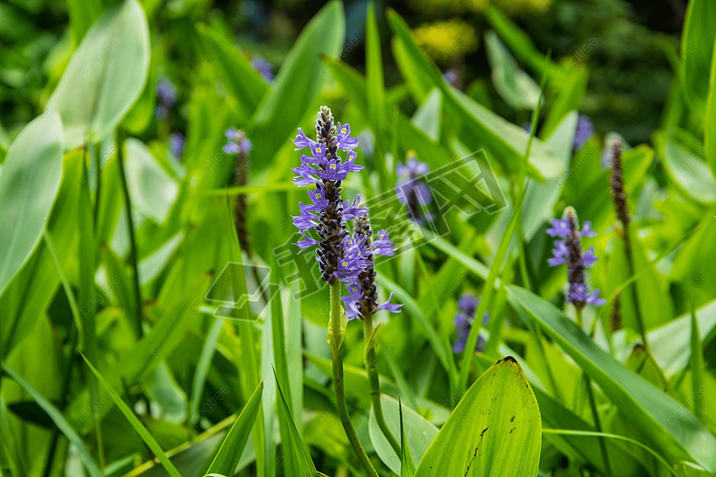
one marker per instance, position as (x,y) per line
(522,6)
(446,41)
(453,6)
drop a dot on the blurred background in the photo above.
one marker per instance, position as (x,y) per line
(625,93)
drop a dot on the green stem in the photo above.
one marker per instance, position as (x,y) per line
(374,378)
(335,339)
(132,239)
(632,288)
(598,425)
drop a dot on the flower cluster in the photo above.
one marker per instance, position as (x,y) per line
(569,251)
(412,192)
(263,67)
(584,131)
(357,269)
(236,142)
(324,169)
(467,307)
(166,96)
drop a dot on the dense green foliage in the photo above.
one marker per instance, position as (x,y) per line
(156,317)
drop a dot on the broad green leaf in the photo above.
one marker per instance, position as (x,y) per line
(665,422)
(691,176)
(134,421)
(296,455)
(710,119)
(407,465)
(481,127)
(82,14)
(243,82)
(152,190)
(671,343)
(696,50)
(495,430)
(521,44)
(419,433)
(29,182)
(515,86)
(229,452)
(374,73)
(296,84)
(59,421)
(34,286)
(105,75)
(427,118)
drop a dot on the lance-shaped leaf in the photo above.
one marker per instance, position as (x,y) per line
(495,430)
(666,423)
(104,76)
(29,183)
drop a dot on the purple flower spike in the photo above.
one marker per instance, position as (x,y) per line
(236,142)
(327,213)
(412,191)
(584,131)
(165,92)
(569,252)
(362,299)
(263,67)
(176,144)
(467,307)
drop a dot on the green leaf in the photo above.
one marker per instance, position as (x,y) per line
(710,119)
(59,421)
(515,86)
(295,452)
(82,14)
(29,183)
(134,422)
(407,466)
(243,82)
(427,117)
(418,432)
(691,176)
(482,129)
(697,368)
(696,46)
(104,76)
(227,455)
(665,422)
(297,83)
(495,430)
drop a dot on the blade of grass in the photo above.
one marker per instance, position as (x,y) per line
(202,368)
(134,422)
(697,368)
(59,421)
(227,455)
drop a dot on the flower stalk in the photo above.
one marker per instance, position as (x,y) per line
(621,208)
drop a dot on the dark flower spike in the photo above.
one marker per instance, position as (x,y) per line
(412,192)
(569,251)
(166,96)
(358,271)
(467,306)
(327,212)
(617,183)
(238,144)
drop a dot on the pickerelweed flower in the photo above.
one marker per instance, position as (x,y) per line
(166,96)
(584,131)
(260,64)
(467,306)
(412,192)
(358,270)
(324,169)
(569,251)
(176,144)
(617,183)
(240,145)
